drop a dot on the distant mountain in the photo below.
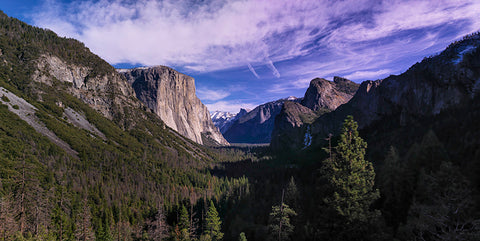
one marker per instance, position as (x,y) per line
(292,125)
(256,126)
(224,120)
(439,93)
(171,95)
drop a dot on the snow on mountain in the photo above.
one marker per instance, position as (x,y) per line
(223,120)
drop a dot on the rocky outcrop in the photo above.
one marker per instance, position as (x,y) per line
(324,94)
(439,83)
(257,125)
(108,93)
(293,124)
(171,95)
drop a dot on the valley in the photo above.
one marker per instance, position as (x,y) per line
(91,152)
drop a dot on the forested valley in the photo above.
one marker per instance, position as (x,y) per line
(140,180)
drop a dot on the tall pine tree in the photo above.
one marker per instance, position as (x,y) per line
(350,177)
(213,226)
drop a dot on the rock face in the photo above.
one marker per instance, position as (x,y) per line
(108,93)
(293,124)
(440,83)
(171,95)
(257,125)
(224,120)
(324,94)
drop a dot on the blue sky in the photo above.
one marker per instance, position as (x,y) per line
(247,52)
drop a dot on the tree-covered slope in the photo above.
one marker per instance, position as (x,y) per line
(127,169)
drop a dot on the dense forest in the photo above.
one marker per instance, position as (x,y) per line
(143,181)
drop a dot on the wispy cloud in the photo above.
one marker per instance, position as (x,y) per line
(213,95)
(230,106)
(368,74)
(250,67)
(285,43)
(271,66)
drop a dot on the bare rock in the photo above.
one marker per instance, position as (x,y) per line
(171,95)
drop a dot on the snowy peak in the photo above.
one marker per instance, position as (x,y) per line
(223,120)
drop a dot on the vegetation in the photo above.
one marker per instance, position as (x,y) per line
(415,182)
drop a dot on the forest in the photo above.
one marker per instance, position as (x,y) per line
(144,182)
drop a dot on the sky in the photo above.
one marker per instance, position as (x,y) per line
(243,53)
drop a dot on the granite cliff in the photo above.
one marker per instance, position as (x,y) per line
(292,125)
(435,87)
(171,95)
(324,94)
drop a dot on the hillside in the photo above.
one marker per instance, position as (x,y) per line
(76,144)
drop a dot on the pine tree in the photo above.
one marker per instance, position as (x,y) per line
(242,237)
(396,189)
(183,232)
(350,177)
(291,194)
(280,226)
(213,223)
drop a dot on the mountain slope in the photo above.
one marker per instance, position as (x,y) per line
(171,95)
(292,126)
(257,125)
(76,144)
(435,85)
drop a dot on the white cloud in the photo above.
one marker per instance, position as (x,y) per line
(230,106)
(212,36)
(271,66)
(368,74)
(214,95)
(358,38)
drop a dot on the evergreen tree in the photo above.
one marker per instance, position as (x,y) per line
(213,223)
(280,226)
(183,225)
(443,208)
(396,189)
(242,237)
(350,177)
(291,194)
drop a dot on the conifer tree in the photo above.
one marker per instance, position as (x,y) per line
(291,194)
(280,226)
(184,224)
(396,189)
(350,177)
(213,223)
(242,237)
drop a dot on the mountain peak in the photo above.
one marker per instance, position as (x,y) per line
(324,94)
